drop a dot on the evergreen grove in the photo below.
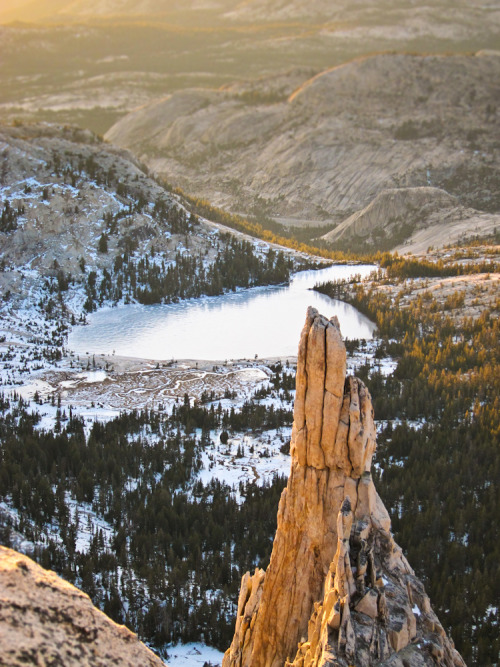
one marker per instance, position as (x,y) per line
(439,453)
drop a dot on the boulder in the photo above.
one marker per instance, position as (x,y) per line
(44,620)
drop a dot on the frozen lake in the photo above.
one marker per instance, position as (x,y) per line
(264,321)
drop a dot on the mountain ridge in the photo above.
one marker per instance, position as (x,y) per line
(336,142)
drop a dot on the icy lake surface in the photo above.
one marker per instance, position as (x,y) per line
(263,321)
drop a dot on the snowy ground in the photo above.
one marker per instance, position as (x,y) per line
(100,388)
(193,655)
(366,355)
(247,457)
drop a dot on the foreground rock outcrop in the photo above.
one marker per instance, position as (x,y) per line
(338,589)
(47,621)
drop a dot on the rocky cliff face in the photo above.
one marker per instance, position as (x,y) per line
(46,621)
(338,590)
(351,133)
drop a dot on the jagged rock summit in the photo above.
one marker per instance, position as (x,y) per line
(338,589)
(47,621)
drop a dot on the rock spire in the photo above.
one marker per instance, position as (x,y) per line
(338,590)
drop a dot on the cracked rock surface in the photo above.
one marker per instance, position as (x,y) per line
(338,590)
(47,621)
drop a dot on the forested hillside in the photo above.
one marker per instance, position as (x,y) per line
(84,225)
(439,437)
(112,505)
(133,508)
(120,508)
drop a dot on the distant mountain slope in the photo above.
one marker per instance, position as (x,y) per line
(69,202)
(76,9)
(364,13)
(397,210)
(82,225)
(30,10)
(102,59)
(142,7)
(340,139)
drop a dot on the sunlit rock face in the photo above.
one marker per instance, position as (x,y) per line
(47,621)
(338,590)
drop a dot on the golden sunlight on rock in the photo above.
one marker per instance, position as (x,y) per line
(338,590)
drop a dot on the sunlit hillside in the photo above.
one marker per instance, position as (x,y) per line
(90,63)
(318,154)
(68,10)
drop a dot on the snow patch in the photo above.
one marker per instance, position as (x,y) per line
(191,655)
(93,376)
